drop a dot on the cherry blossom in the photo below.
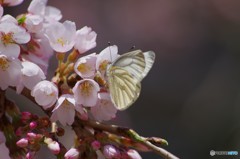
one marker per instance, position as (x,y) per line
(10,72)
(72,154)
(106,56)
(64,110)
(85,92)
(8,18)
(33,23)
(31,75)
(104,109)
(52,13)
(49,13)
(37,7)
(61,35)
(40,51)
(85,39)
(11,35)
(45,93)
(77,96)
(85,66)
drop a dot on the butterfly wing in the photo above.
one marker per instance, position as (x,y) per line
(124,89)
(149,57)
(125,75)
(137,63)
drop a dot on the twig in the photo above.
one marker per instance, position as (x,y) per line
(122,131)
(2,102)
(129,133)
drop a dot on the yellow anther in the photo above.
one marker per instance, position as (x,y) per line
(61,41)
(83,68)
(4,63)
(7,38)
(86,88)
(103,65)
(66,104)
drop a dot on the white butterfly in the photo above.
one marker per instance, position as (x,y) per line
(125,74)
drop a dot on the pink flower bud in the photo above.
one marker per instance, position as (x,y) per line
(22,142)
(26,116)
(30,155)
(31,135)
(33,125)
(54,147)
(110,152)
(72,154)
(96,145)
(133,154)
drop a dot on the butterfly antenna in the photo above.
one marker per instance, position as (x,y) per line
(132,48)
(109,44)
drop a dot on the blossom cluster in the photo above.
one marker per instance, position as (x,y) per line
(79,88)
(27,43)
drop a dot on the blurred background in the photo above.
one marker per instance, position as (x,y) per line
(191,97)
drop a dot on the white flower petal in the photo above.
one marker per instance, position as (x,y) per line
(9,18)
(85,39)
(108,55)
(12,2)
(85,66)
(34,23)
(37,7)
(61,36)
(64,110)
(10,50)
(104,110)
(10,72)
(85,92)
(52,13)
(21,37)
(45,93)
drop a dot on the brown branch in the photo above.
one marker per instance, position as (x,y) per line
(129,133)
(121,131)
(2,102)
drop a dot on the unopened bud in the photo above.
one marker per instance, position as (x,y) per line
(110,152)
(72,154)
(54,147)
(133,154)
(33,125)
(22,142)
(96,145)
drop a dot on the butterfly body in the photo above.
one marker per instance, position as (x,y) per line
(125,74)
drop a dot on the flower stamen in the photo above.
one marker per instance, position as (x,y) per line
(61,41)
(4,63)
(83,68)
(103,65)
(7,38)
(86,88)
